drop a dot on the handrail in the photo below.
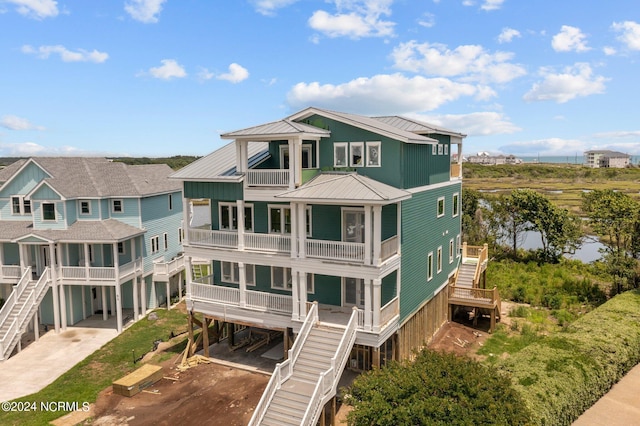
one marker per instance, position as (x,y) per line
(277,378)
(338,362)
(11,331)
(13,298)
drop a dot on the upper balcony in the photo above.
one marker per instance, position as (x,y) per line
(10,274)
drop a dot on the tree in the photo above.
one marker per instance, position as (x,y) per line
(435,389)
(512,223)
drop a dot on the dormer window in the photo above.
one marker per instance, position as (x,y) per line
(373,154)
(356,158)
(340,154)
(116,206)
(48,211)
(85,207)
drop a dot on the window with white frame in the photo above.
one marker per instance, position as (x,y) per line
(280,220)
(446,149)
(439,259)
(306,156)
(458,246)
(231,273)
(170,197)
(229,216)
(356,154)
(456,204)
(451,251)
(310,284)
(430,266)
(434,149)
(440,206)
(85,207)
(180,235)
(280,278)
(26,206)
(373,154)
(48,211)
(20,206)
(116,206)
(165,238)
(155,244)
(340,154)
(122,248)
(440,149)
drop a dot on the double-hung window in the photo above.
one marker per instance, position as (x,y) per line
(340,154)
(456,204)
(373,154)
(155,244)
(356,157)
(429,266)
(439,259)
(48,211)
(116,206)
(440,206)
(280,278)
(231,273)
(85,207)
(229,217)
(21,206)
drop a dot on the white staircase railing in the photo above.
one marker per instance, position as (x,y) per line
(12,299)
(328,382)
(284,370)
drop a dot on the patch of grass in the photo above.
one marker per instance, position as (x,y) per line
(502,341)
(85,380)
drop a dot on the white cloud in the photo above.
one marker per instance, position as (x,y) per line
(575,81)
(13,122)
(236,74)
(204,74)
(569,39)
(492,4)
(629,33)
(507,35)
(36,9)
(380,94)
(427,20)
(355,19)
(609,51)
(168,70)
(146,11)
(28,149)
(269,7)
(81,55)
(474,124)
(545,147)
(470,62)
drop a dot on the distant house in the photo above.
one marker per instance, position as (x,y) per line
(84,236)
(606,159)
(488,159)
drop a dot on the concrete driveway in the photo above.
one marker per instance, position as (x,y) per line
(41,362)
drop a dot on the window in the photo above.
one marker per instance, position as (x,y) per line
(155,244)
(122,249)
(446,150)
(26,204)
(456,197)
(48,211)
(90,247)
(85,207)
(356,158)
(451,251)
(180,235)
(439,259)
(440,206)
(165,237)
(229,216)
(15,205)
(429,266)
(306,156)
(20,206)
(310,284)
(458,246)
(373,154)
(231,273)
(170,201)
(280,278)
(116,206)
(279,220)
(440,149)
(434,149)
(340,154)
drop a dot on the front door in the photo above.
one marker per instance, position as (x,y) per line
(353,226)
(354,292)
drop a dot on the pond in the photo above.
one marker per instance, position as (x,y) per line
(587,253)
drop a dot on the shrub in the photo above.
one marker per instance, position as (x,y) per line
(435,389)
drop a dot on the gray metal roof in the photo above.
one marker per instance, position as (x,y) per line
(107,231)
(345,188)
(78,177)
(367,123)
(416,126)
(276,129)
(220,165)
(609,153)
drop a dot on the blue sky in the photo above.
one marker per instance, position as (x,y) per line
(167,77)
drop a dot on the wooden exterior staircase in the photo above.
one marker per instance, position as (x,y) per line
(301,386)
(469,289)
(19,308)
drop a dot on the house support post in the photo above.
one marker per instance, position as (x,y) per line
(367,235)
(36,326)
(295,299)
(242,284)
(205,335)
(143,295)
(367,304)
(240,223)
(112,300)
(136,306)
(54,278)
(168,291)
(84,301)
(377,285)
(302,293)
(105,313)
(118,289)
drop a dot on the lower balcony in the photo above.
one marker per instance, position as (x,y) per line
(70,275)
(163,270)
(10,274)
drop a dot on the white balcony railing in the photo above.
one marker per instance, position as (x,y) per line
(255,300)
(263,177)
(268,242)
(11,271)
(269,301)
(160,267)
(215,293)
(388,248)
(102,273)
(389,311)
(336,250)
(208,237)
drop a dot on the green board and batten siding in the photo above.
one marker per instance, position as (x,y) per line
(423,232)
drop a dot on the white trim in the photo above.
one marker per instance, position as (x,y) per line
(305,147)
(235,279)
(439,260)
(341,145)
(446,149)
(374,144)
(122,248)
(344,210)
(313,283)
(286,272)
(352,146)
(430,266)
(80,202)
(451,250)
(154,242)
(165,240)
(434,186)
(113,205)
(434,149)
(231,206)
(458,245)
(440,149)
(455,204)
(55,216)
(444,207)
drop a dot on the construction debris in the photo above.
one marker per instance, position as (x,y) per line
(138,380)
(192,362)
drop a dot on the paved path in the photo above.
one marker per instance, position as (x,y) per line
(619,407)
(41,362)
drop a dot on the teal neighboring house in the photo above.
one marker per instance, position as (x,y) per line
(359,214)
(85,236)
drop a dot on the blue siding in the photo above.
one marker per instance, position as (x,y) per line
(157,219)
(45,193)
(24,182)
(130,211)
(39,223)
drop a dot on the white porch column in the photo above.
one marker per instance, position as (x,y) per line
(292,162)
(112,300)
(367,304)
(23,257)
(240,223)
(298,163)
(367,235)
(36,326)
(295,298)
(134,282)
(84,302)
(168,290)
(240,164)
(70,299)
(179,286)
(189,275)
(105,313)
(377,286)
(118,298)
(87,261)
(242,284)
(54,278)
(302,230)
(377,234)
(116,262)
(295,236)
(302,283)
(143,295)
